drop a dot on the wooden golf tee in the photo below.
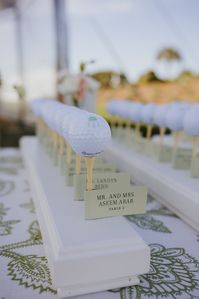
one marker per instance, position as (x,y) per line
(68,153)
(162,132)
(89,164)
(78,164)
(149,131)
(194,147)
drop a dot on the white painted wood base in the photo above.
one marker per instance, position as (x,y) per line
(174,188)
(84,255)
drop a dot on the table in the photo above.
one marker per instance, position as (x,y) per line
(24,271)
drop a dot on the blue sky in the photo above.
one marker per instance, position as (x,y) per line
(136,29)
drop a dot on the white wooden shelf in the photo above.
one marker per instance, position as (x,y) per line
(84,255)
(174,188)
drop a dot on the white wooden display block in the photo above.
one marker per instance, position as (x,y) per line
(84,255)
(174,188)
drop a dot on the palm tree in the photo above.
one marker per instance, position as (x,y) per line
(169,55)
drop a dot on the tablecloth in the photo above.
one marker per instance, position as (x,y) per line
(24,272)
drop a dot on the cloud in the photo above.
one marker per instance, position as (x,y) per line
(92,7)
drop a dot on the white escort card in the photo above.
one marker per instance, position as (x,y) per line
(115,201)
(100,181)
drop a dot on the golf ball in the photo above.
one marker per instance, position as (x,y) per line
(89,134)
(175,116)
(147,113)
(191,121)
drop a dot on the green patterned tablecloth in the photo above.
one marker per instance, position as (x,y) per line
(24,272)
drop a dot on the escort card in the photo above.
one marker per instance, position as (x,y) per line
(100,181)
(62,164)
(182,158)
(97,162)
(70,171)
(149,148)
(132,140)
(49,148)
(140,144)
(163,153)
(115,201)
(114,131)
(55,156)
(127,134)
(195,168)
(120,132)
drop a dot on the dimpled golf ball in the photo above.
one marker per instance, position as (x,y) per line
(114,107)
(124,108)
(73,113)
(47,112)
(147,113)
(36,106)
(58,116)
(89,135)
(191,121)
(175,116)
(134,112)
(111,107)
(159,117)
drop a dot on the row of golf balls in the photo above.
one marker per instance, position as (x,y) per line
(177,116)
(88,133)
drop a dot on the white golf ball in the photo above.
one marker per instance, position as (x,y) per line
(111,106)
(123,109)
(47,112)
(36,106)
(60,113)
(147,113)
(89,135)
(73,113)
(191,121)
(175,116)
(159,118)
(134,111)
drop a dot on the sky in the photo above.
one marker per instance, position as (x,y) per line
(120,35)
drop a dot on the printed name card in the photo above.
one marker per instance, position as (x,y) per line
(182,158)
(195,168)
(70,170)
(100,181)
(128,136)
(140,144)
(98,161)
(115,201)
(120,132)
(149,148)
(163,153)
